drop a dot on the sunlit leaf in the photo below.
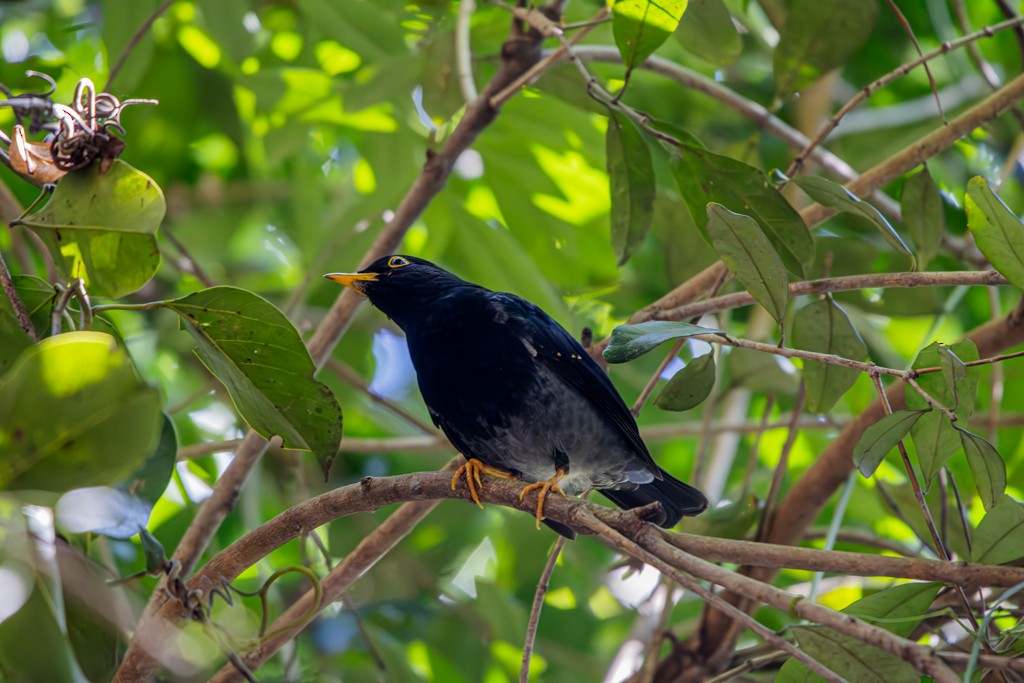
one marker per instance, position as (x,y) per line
(835,196)
(998,233)
(102,227)
(690,386)
(253,349)
(641,26)
(923,215)
(73,413)
(819,35)
(707,31)
(987,467)
(999,537)
(632,341)
(823,326)
(750,257)
(705,177)
(631,176)
(881,437)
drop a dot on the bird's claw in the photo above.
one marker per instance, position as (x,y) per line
(544,486)
(471,469)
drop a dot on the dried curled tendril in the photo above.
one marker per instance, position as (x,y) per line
(76,134)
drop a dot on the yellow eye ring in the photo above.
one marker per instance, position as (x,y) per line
(397,262)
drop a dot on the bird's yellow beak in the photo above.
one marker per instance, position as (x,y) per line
(352,280)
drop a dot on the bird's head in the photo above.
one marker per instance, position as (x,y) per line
(397,283)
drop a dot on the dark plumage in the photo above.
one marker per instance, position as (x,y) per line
(511,387)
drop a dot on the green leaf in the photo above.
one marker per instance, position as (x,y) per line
(632,188)
(253,349)
(705,177)
(641,26)
(750,257)
(102,227)
(149,481)
(881,437)
(819,35)
(707,31)
(632,341)
(74,413)
(998,233)
(954,372)
(898,609)
(987,467)
(936,441)
(762,372)
(999,537)
(853,659)
(835,196)
(923,215)
(822,326)
(690,386)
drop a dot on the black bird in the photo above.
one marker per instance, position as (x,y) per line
(516,393)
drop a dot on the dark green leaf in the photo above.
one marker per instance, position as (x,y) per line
(632,341)
(890,607)
(881,437)
(750,257)
(707,31)
(74,413)
(705,177)
(835,196)
(987,467)
(819,35)
(149,481)
(998,233)
(102,227)
(690,386)
(631,179)
(641,26)
(999,537)
(822,326)
(853,659)
(761,372)
(923,215)
(936,441)
(954,372)
(253,349)
(153,551)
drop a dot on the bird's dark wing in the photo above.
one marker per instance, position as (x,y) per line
(557,349)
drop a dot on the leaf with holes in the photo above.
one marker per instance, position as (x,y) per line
(998,233)
(835,196)
(822,326)
(253,349)
(102,227)
(631,177)
(690,386)
(641,26)
(632,341)
(881,437)
(750,257)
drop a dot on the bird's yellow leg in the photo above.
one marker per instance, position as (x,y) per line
(544,486)
(471,470)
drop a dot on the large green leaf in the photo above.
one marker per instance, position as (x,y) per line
(707,31)
(102,227)
(998,233)
(690,386)
(632,341)
(835,196)
(631,179)
(705,177)
(641,26)
(822,326)
(898,609)
(253,349)
(750,257)
(881,437)
(853,659)
(819,35)
(74,413)
(923,216)
(987,467)
(999,537)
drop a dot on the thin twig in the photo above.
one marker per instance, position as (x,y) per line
(917,46)
(352,377)
(535,608)
(134,40)
(782,466)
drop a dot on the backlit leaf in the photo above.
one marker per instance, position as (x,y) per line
(707,31)
(998,233)
(641,26)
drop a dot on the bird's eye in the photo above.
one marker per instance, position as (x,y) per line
(397,262)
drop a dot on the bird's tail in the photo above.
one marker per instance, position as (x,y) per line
(678,499)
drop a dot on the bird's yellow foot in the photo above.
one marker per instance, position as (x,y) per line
(471,470)
(544,486)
